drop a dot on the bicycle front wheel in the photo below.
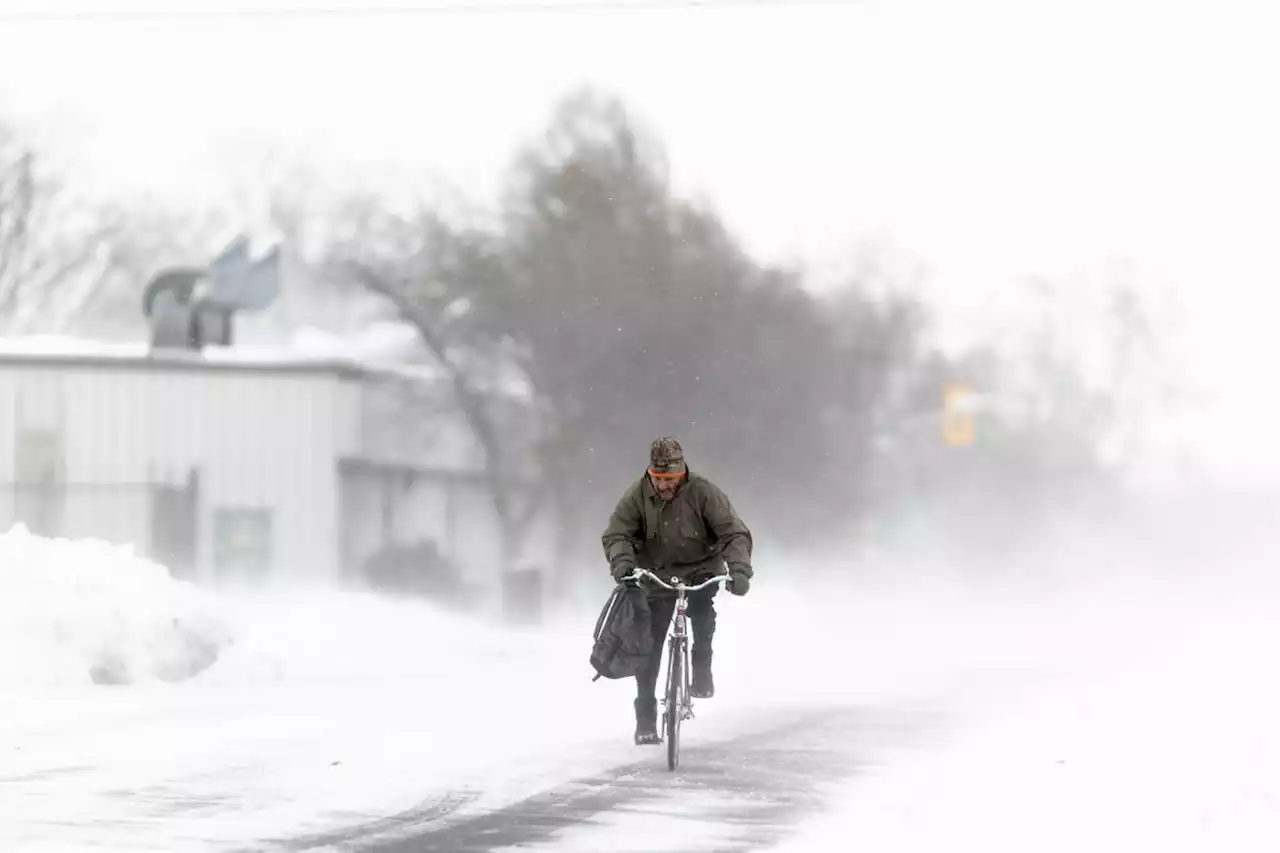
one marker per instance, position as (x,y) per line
(675,704)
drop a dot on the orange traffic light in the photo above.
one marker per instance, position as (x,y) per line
(957,415)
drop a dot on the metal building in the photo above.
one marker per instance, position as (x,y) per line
(231,467)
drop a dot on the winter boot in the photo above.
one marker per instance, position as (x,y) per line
(704,686)
(646,722)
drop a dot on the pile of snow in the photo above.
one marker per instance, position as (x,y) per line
(76,612)
(81,611)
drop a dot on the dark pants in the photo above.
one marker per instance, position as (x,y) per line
(701,613)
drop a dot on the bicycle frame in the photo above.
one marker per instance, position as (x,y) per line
(677,704)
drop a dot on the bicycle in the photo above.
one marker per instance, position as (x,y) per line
(677,705)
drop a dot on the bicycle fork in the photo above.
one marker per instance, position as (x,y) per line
(679,651)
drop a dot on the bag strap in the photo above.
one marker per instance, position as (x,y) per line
(607,610)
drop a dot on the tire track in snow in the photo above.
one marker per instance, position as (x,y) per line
(427,812)
(735,795)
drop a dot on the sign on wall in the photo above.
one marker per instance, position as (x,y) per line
(242,541)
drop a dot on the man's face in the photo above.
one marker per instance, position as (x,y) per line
(666,483)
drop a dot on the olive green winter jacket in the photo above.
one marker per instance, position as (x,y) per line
(684,537)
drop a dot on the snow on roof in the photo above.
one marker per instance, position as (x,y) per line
(389,349)
(64,345)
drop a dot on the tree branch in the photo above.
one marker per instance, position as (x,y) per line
(469,399)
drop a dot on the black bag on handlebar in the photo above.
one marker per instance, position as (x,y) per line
(623,637)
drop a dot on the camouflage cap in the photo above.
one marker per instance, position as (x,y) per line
(666,455)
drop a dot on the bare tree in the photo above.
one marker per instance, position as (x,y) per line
(433,277)
(54,249)
(631,313)
(643,316)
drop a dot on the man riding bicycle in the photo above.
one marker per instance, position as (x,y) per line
(677,524)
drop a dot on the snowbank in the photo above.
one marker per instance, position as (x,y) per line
(75,612)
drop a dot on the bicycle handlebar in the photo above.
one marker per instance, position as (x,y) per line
(637,574)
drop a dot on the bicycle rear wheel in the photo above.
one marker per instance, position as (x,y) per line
(675,703)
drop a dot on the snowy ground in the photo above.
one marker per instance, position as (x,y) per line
(1174,748)
(324,708)
(1135,714)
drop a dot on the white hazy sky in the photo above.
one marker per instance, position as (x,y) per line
(985,140)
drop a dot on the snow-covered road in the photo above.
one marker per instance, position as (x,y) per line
(1180,754)
(897,715)
(730,794)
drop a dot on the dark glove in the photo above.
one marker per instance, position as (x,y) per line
(739,582)
(621,570)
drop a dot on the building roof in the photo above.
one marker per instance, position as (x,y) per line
(323,355)
(56,351)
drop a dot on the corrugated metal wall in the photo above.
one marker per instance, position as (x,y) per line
(260,440)
(128,449)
